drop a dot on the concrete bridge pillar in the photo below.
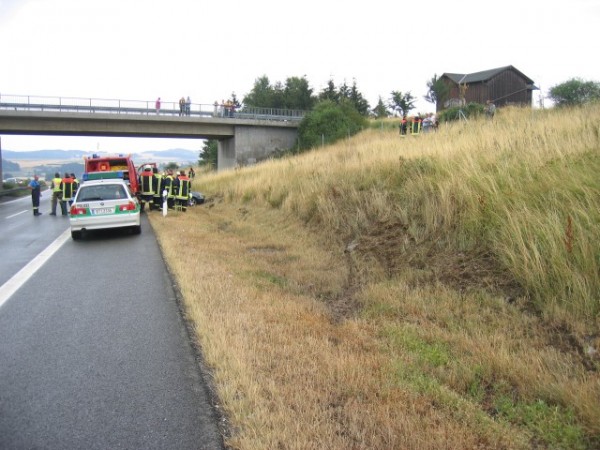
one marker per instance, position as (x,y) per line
(252,144)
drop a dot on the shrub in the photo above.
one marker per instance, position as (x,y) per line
(471,110)
(328,123)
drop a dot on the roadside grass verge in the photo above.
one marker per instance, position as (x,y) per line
(439,291)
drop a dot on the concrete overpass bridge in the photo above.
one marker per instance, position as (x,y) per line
(245,137)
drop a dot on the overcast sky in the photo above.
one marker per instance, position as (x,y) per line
(139,50)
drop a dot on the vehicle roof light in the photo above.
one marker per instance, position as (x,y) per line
(108,175)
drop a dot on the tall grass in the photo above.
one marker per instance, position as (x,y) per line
(524,188)
(439,291)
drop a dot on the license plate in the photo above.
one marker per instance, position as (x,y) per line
(98,211)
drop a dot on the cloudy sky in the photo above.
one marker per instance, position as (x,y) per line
(139,50)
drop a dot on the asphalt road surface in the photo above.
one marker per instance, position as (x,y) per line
(94,353)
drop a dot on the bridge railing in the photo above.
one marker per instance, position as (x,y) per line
(140,107)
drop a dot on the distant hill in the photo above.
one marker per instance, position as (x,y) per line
(43,154)
(177,155)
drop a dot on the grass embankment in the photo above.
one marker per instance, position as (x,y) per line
(429,292)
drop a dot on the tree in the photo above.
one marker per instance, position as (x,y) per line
(402,103)
(437,90)
(345,93)
(277,97)
(575,92)
(329,93)
(297,94)
(380,111)
(208,154)
(359,102)
(261,94)
(329,121)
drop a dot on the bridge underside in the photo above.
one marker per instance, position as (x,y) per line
(252,144)
(241,141)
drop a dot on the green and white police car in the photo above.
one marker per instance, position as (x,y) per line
(104,200)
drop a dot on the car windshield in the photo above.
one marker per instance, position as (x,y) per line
(105,192)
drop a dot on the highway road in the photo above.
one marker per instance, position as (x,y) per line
(94,353)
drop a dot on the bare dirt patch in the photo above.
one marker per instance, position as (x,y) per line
(396,250)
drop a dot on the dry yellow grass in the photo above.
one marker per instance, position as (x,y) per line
(389,292)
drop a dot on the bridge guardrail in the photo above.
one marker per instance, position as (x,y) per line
(140,107)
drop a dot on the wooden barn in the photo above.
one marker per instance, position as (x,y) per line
(503,86)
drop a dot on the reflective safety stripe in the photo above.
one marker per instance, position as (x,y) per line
(169,186)
(146,180)
(67,188)
(184,188)
(157,192)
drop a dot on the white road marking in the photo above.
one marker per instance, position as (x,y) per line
(21,277)
(15,215)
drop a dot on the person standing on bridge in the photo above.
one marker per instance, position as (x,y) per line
(157,105)
(36,193)
(181,106)
(56,193)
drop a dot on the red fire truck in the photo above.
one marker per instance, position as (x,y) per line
(116,163)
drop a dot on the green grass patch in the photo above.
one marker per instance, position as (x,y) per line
(404,339)
(268,279)
(555,426)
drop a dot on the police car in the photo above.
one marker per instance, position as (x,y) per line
(104,200)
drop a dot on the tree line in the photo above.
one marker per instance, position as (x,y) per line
(341,111)
(333,113)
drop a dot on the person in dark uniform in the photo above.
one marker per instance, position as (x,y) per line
(67,188)
(168,185)
(147,187)
(182,186)
(36,193)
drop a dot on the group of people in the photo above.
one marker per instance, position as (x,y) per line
(417,124)
(224,109)
(152,184)
(185,106)
(63,192)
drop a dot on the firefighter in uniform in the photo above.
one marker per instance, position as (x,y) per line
(56,193)
(67,187)
(157,180)
(75,185)
(168,185)
(183,186)
(147,187)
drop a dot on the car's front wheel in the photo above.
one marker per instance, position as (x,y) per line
(192,201)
